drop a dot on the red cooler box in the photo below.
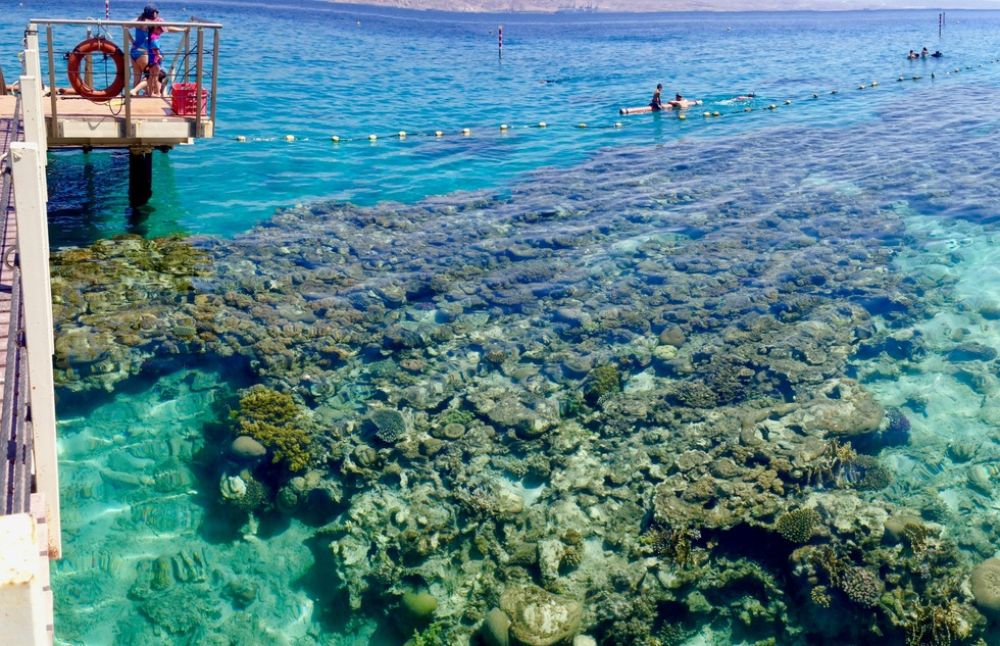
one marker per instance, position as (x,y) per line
(184,102)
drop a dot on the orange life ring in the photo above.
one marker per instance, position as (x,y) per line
(92,46)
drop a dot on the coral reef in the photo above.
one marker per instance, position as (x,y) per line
(553,420)
(274,420)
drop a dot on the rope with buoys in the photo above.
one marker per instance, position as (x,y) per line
(681,116)
(75,58)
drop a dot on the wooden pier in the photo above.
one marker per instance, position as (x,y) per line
(38,117)
(29,482)
(138,123)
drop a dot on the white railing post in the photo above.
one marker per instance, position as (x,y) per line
(24,610)
(34,121)
(30,42)
(32,251)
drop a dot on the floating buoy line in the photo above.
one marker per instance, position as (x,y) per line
(506,128)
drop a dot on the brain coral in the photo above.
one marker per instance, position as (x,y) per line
(986,585)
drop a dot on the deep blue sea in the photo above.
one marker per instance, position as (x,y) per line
(723,376)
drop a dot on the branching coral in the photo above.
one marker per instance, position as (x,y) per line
(937,626)
(841,466)
(861,586)
(675,544)
(797,526)
(604,380)
(275,420)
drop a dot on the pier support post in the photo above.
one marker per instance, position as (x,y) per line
(25,612)
(33,257)
(140,175)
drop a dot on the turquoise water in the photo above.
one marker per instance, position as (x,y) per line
(711,381)
(353,73)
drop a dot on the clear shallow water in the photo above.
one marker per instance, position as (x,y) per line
(737,276)
(382,71)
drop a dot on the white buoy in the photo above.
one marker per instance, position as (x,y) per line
(438,133)
(581,125)
(289,137)
(542,124)
(681,117)
(241,138)
(618,124)
(716,114)
(504,126)
(772,107)
(788,101)
(748,109)
(335,139)
(466,131)
(372,137)
(402,134)
(874,83)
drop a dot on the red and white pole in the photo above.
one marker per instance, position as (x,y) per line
(107,9)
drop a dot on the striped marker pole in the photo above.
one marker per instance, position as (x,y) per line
(500,41)
(107,9)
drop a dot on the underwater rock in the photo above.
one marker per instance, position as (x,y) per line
(550,556)
(896,526)
(496,628)
(242,592)
(540,618)
(979,478)
(842,408)
(247,448)
(986,585)
(232,487)
(419,605)
(528,415)
(672,335)
(971,352)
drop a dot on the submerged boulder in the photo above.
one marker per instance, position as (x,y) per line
(539,618)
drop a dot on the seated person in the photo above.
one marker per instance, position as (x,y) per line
(923,53)
(657,102)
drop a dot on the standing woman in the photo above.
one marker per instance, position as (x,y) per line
(146,55)
(140,49)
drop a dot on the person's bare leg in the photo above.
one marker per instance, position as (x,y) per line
(153,82)
(138,66)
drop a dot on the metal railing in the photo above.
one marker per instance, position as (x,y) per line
(16,440)
(179,66)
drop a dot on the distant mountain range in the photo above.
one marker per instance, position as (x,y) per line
(586,6)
